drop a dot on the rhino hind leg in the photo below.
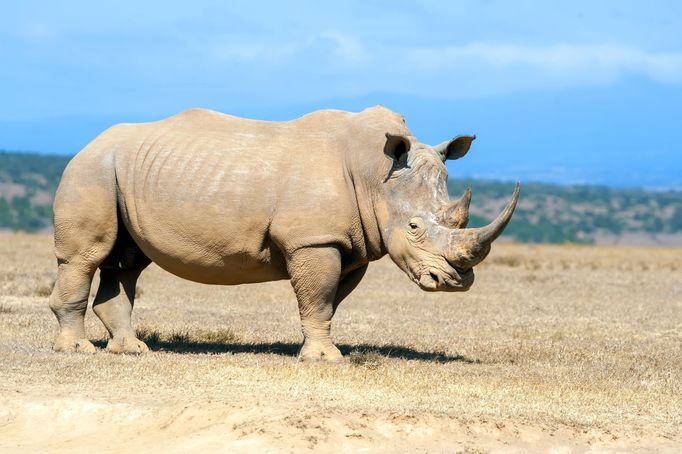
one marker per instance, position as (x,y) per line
(69,301)
(315,273)
(85,232)
(116,294)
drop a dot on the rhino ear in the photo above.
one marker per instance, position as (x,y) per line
(455,148)
(396,148)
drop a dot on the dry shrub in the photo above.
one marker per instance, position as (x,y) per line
(148,335)
(221,336)
(6,309)
(369,359)
(180,338)
(215,341)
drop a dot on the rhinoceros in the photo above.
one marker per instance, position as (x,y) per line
(218,199)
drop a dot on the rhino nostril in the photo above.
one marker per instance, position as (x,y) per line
(434,276)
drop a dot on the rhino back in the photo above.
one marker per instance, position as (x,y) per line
(203,193)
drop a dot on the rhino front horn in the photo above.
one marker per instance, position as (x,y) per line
(470,246)
(489,233)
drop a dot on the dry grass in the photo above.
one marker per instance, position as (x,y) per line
(185,341)
(369,359)
(44,289)
(580,341)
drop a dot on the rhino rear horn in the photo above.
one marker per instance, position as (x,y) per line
(456,213)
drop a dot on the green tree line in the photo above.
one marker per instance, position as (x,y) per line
(546,213)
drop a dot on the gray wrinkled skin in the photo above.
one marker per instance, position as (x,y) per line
(224,200)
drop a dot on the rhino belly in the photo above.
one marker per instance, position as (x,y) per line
(209,226)
(211,252)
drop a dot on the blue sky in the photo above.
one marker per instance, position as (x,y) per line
(568,92)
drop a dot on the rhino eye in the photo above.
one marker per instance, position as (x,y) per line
(415,225)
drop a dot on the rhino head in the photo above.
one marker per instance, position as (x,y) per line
(423,230)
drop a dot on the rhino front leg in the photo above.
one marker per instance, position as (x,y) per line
(315,273)
(348,284)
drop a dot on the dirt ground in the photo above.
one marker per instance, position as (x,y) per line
(556,348)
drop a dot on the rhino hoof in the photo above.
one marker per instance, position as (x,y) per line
(70,345)
(126,344)
(312,351)
(85,346)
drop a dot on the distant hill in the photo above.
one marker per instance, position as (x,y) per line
(27,186)
(546,213)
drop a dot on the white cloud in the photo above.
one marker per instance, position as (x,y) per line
(343,50)
(348,49)
(333,64)
(597,61)
(252,52)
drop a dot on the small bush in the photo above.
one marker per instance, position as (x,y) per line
(221,336)
(179,337)
(369,359)
(208,340)
(148,335)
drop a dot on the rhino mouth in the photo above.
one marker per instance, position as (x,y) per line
(437,280)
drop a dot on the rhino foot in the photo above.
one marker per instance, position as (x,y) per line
(317,351)
(126,344)
(69,344)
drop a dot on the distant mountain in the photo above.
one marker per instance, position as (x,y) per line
(546,212)
(623,135)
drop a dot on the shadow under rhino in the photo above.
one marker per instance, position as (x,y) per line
(181,344)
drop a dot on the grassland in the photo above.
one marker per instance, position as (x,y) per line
(556,347)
